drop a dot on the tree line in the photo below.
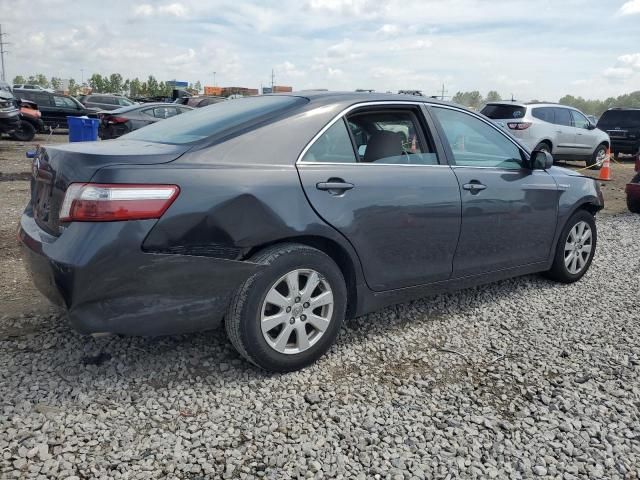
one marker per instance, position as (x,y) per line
(475,100)
(151,87)
(113,83)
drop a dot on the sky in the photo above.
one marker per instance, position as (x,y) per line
(531,49)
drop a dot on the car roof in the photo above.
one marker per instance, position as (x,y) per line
(636,109)
(327,97)
(141,106)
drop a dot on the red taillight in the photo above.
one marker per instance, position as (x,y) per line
(519,125)
(110,119)
(98,202)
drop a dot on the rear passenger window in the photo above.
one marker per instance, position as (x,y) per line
(543,113)
(333,146)
(390,137)
(562,117)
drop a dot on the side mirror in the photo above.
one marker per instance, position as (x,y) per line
(591,126)
(541,160)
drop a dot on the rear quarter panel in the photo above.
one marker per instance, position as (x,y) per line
(228,211)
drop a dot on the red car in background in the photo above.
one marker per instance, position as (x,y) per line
(633,194)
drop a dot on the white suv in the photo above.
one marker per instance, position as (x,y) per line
(564,131)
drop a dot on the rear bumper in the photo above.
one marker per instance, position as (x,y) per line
(625,146)
(111,131)
(8,124)
(107,284)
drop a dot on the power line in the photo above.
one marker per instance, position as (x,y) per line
(2,52)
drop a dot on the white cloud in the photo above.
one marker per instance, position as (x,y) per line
(175,9)
(144,10)
(352,7)
(389,30)
(630,60)
(631,7)
(618,73)
(172,9)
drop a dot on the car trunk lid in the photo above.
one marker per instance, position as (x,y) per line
(55,167)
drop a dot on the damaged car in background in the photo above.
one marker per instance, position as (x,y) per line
(9,113)
(286,214)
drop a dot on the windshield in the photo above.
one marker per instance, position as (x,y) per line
(220,118)
(503,112)
(620,118)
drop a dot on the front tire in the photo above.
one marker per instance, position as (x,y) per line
(288,314)
(575,249)
(597,159)
(25,132)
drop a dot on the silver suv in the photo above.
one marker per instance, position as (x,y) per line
(564,131)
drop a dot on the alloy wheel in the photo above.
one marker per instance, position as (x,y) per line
(578,246)
(296,311)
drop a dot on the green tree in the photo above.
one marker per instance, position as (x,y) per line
(115,83)
(97,83)
(38,79)
(74,88)
(136,88)
(493,96)
(197,86)
(19,80)
(56,83)
(153,87)
(469,99)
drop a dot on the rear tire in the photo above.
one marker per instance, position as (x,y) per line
(595,162)
(293,342)
(25,132)
(571,259)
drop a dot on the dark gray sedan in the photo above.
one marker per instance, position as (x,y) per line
(284,214)
(116,123)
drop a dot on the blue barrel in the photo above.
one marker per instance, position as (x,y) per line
(83,129)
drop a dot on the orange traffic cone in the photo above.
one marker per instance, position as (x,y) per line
(605,171)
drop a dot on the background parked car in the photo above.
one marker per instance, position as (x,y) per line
(633,194)
(564,131)
(623,127)
(26,86)
(9,113)
(200,101)
(30,121)
(55,108)
(105,102)
(127,119)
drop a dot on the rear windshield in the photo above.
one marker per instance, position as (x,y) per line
(620,118)
(503,111)
(217,119)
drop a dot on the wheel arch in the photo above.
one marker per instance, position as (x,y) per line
(338,254)
(548,142)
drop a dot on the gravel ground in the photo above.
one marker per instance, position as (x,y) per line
(520,379)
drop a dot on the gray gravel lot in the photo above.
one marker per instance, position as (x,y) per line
(520,379)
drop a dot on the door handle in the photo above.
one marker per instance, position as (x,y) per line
(474,187)
(335,186)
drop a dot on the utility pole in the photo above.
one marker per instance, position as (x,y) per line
(214,79)
(443,92)
(273,80)
(2,52)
